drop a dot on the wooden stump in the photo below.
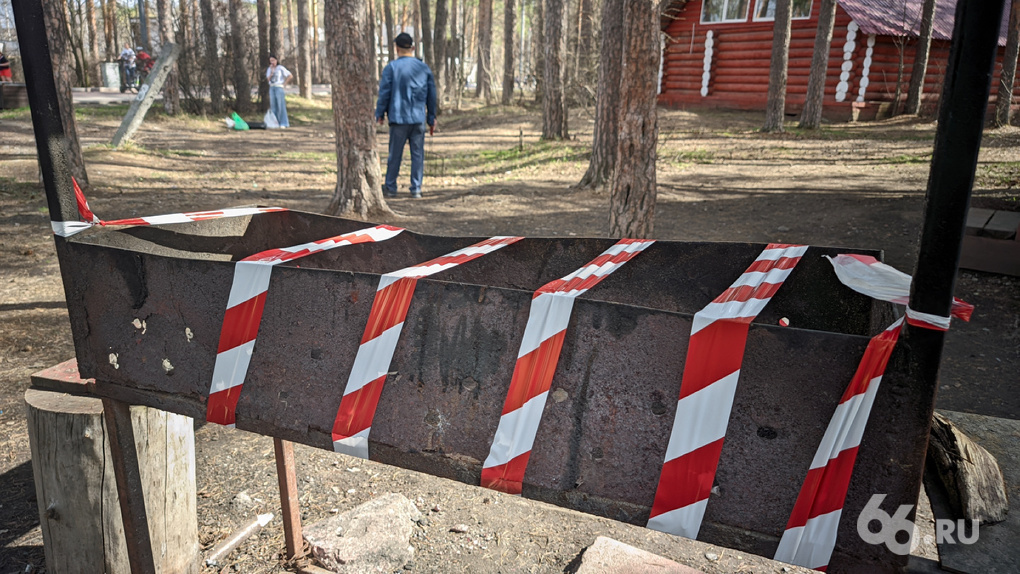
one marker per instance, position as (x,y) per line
(77,493)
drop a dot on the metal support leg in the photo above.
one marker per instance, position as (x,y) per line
(288,496)
(129,486)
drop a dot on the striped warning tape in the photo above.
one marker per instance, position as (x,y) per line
(869,276)
(714,355)
(244,314)
(353,421)
(68,228)
(810,534)
(549,316)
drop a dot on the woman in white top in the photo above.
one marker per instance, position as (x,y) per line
(278,77)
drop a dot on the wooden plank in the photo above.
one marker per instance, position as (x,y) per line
(291,513)
(990,255)
(1003,225)
(977,217)
(147,94)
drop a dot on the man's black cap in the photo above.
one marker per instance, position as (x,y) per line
(404,40)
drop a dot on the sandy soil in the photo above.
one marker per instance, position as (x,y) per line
(855,185)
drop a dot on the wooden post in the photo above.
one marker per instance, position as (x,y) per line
(74,480)
(147,94)
(291,514)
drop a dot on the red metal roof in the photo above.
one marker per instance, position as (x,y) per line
(903,17)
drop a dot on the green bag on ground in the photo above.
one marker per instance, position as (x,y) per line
(239,124)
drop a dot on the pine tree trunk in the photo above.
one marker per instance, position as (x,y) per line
(901,46)
(106,8)
(426,35)
(304,58)
(453,47)
(388,14)
(483,76)
(554,116)
(171,95)
(262,16)
(1007,77)
(212,57)
(607,102)
(538,48)
(775,107)
(916,89)
(358,179)
(90,19)
(316,67)
(811,116)
(276,30)
(508,52)
(291,42)
(186,58)
(439,44)
(242,85)
(60,55)
(632,196)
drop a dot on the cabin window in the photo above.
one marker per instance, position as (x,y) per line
(724,11)
(766,9)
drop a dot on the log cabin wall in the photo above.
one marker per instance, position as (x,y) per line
(726,65)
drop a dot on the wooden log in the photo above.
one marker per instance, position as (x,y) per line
(74,481)
(970,473)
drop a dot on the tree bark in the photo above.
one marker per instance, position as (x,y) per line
(607,101)
(63,76)
(554,113)
(262,16)
(453,51)
(1007,77)
(811,116)
(439,44)
(212,57)
(358,178)
(143,24)
(242,85)
(90,20)
(538,47)
(304,66)
(916,89)
(508,52)
(426,35)
(171,95)
(316,69)
(108,23)
(388,15)
(291,43)
(275,30)
(775,107)
(632,196)
(483,75)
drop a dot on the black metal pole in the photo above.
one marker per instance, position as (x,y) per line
(50,141)
(907,395)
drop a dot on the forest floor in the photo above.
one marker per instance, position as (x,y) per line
(719,179)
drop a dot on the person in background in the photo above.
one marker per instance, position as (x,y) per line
(5,66)
(127,62)
(407,96)
(278,77)
(143,61)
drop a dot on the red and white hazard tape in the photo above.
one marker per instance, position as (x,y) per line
(68,228)
(353,421)
(810,534)
(714,355)
(244,314)
(869,276)
(549,317)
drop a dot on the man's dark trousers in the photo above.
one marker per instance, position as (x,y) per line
(414,134)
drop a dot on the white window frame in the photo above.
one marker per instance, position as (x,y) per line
(725,5)
(758,3)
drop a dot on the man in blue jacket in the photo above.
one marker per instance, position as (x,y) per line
(407,95)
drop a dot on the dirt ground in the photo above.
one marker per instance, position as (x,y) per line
(852,185)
